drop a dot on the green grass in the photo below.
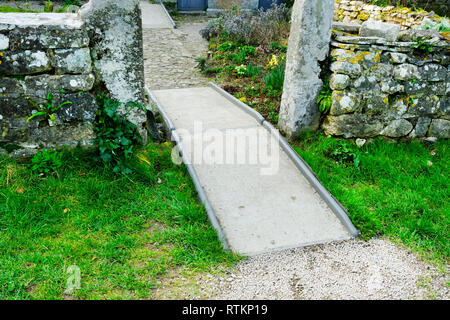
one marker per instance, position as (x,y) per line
(394,192)
(6,9)
(122,232)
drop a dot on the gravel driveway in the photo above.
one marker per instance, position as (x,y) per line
(353,269)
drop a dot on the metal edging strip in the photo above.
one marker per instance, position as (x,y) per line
(174,25)
(201,192)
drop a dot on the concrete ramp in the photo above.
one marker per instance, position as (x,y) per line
(251,182)
(155,16)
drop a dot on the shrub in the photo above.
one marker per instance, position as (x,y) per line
(261,27)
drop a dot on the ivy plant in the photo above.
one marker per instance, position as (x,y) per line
(116,138)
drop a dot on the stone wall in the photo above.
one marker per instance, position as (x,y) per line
(42,54)
(68,56)
(359,11)
(382,85)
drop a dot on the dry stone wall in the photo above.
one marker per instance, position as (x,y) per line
(385,83)
(50,58)
(42,54)
(359,11)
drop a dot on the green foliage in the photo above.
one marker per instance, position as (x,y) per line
(278,47)
(226,46)
(443,26)
(46,162)
(275,78)
(324,100)
(422,45)
(116,137)
(248,50)
(346,153)
(48,6)
(204,67)
(48,110)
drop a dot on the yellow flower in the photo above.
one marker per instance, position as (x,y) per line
(243,99)
(273,62)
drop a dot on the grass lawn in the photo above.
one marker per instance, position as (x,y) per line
(399,190)
(122,232)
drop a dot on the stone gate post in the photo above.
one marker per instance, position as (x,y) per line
(308,46)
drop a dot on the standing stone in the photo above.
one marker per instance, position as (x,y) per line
(308,45)
(115,29)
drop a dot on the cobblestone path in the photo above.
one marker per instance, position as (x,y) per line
(170,54)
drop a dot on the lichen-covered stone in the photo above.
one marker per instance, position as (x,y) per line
(16,130)
(24,62)
(115,29)
(397,109)
(421,128)
(440,128)
(4,42)
(352,125)
(372,28)
(308,45)
(381,71)
(11,107)
(396,57)
(83,107)
(65,135)
(366,84)
(351,69)
(424,106)
(397,128)
(339,81)
(47,37)
(423,88)
(391,86)
(344,103)
(433,72)
(376,103)
(40,86)
(10,87)
(72,61)
(406,72)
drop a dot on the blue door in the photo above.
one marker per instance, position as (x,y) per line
(267,4)
(192,5)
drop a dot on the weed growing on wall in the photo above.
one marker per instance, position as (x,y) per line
(116,138)
(48,110)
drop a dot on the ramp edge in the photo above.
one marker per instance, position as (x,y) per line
(198,186)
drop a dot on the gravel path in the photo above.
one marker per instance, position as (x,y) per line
(354,269)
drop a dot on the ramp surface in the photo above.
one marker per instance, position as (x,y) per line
(154,16)
(261,205)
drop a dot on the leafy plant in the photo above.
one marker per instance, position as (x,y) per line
(325,98)
(275,78)
(346,153)
(278,47)
(48,110)
(116,137)
(422,44)
(46,162)
(226,46)
(48,6)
